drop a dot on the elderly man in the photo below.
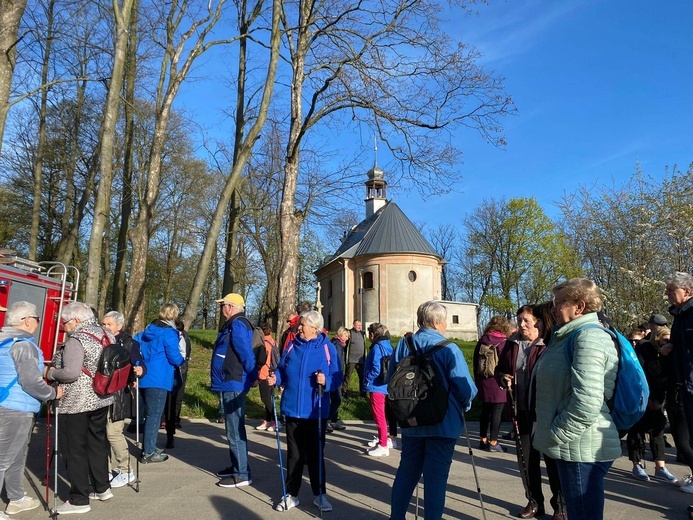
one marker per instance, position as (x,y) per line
(122,403)
(22,389)
(355,357)
(83,413)
(232,373)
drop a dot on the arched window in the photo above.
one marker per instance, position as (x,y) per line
(368,280)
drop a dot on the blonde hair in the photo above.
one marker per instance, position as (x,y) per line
(581,290)
(342,331)
(661,332)
(169,312)
(500,324)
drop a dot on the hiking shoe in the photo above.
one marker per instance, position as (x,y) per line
(329,427)
(664,474)
(233,482)
(339,425)
(106,495)
(484,445)
(123,478)
(25,504)
(322,503)
(688,488)
(687,479)
(497,448)
(639,473)
(378,451)
(226,472)
(271,427)
(262,426)
(153,457)
(66,508)
(291,501)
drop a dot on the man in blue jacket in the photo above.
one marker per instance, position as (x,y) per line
(232,373)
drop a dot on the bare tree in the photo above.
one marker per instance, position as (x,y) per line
(387,64)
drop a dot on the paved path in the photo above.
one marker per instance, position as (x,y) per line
(358,486)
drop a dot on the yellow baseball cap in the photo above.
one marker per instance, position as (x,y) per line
(233,299)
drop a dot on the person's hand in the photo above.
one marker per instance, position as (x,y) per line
(134,384)
(138,370)
(59,392)
(320,378)
(271,379)
(508,379)
(666,349)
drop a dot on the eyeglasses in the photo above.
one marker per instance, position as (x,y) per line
(38,320)
(65,322)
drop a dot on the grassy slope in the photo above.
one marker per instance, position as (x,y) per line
(201,402)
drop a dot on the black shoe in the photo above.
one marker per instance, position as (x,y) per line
(226,472)
(169,443)
(221,419)
(329,427)
(154,457)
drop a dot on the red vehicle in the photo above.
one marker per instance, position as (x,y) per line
(48,285)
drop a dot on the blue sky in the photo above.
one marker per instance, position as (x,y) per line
(599,87)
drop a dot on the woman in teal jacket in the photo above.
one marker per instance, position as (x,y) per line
(429,449)
(574,425)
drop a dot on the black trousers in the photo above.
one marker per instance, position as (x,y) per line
(653,422)
(174,401)
(266,392)
(679,426)
(350,368)
(302,449)
(391,421)
(83,444)
(490,415)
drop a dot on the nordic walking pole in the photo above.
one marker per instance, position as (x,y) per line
(137,432)
(476,477)
(47,476)
(56,407)
(279,444)
(520,452)
(320,390)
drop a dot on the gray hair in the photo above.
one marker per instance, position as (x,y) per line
(314,319)
(116,316)
(18,311)
(680,280)
(77,311)
(377,330)
(430,313)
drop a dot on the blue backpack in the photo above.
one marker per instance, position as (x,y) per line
(629,401)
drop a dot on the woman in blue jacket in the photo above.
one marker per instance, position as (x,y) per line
(159,344)
(375,382)
(429,449)
(308,362)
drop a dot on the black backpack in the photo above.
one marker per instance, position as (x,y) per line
(417,391)
(384,368)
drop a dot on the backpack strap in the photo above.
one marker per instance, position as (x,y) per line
(103,340)
(429,352)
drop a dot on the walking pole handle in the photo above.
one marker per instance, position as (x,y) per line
(321,388)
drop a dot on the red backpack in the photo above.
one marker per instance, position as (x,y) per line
(113,368)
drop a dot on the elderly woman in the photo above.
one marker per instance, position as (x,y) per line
(21,378)
(308,366)
(161,350)
(491,395)
(83,413)
(515,367)
(375,382)
(574,425)
(340,340)
(429,449)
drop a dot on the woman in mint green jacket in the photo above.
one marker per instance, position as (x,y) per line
(574,425)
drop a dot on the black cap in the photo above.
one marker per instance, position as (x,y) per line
(657,319)
(603,318)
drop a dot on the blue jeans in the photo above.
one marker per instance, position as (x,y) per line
(431,456)
(233,404)
(154,400)
(583,488)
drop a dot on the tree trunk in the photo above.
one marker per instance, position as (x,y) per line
(102,206)
(243,155)
(118,294)
(11,12)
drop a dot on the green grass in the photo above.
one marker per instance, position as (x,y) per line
(201,402)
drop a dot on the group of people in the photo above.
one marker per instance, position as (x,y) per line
(560,402)
(89,425)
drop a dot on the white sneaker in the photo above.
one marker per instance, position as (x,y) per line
(106,495)
(373,443)
(376,441)
(122,479)
(262,426)
(286,502)
(25,504)
(379,451)
(66,508)
(392,443)
(687,479)
(324,505)
(687,488)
